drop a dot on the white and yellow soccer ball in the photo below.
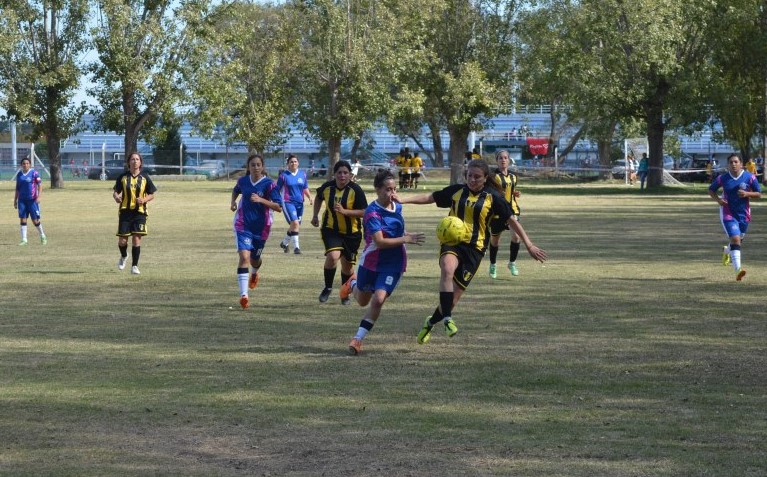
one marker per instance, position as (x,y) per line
(451,230)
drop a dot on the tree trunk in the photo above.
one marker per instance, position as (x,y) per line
(655,131)
(436,137)
(355,147)
(334,154)
(604,147)
(53,137)
(459,142)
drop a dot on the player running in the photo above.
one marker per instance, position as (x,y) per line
(738,187)
(341,227)
(133,190)
(252,221)
(507,181)
(384,258)
(476,203)
(29,189)
(293,187)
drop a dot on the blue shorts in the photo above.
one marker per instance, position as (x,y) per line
(735,228)
(246,241)
(370,281)
(292,211)
(29,208)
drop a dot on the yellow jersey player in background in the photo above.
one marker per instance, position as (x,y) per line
(507,181)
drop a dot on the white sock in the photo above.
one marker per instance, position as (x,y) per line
(361,333)
(735,259)
(24,232)
(295,241)
(40,229)
(285,241)
(242,280)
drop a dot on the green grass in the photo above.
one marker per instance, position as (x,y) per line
(632,352)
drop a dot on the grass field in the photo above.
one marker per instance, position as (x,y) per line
(632,352)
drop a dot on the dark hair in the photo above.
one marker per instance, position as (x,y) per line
(251,157)
(25,158)
(290,156)
(134,153)
(382,176)
(480,164)
(341,164)
(734,155)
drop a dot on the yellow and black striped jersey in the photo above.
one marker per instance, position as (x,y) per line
(350,197)
(132,188)
(475,209)
(403,163)
(416,164)
(508,183)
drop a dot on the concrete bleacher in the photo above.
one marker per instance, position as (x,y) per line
(88,144)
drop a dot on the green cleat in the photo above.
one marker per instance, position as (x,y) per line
(425,333)
(450,328)
(725,256)
(492,271)
(513,269)
(44,240)
(23,243)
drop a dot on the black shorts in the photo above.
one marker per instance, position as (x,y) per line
(131,223)
(348,244)
(469,259)
(497,226)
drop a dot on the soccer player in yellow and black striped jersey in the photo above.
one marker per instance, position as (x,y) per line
(507,181)
(476,203)
(341,230)
(132,190)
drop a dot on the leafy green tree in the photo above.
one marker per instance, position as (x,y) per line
(40,69)
(470,68)
(149,53)
(247,93)
(351,54)
(737,92)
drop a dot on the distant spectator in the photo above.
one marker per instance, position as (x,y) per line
(355,169)
(643,169)
(751,166)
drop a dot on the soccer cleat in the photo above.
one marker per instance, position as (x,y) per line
(134,270)
(44,240)
(725,256)
(741,273)
(513,269)
(253,281)
(121,263)
(297,251)
(355,347)
(23,243)
(492,271)
(345,301)
(325,294)
(244,302)
(346,288)
(450,328)
(425,334)
(284,247)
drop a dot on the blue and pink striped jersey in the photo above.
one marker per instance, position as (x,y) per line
(250,216)
(292,186)
(392,224)
(28,185)
(737,208)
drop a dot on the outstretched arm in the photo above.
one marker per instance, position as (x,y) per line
(535,252)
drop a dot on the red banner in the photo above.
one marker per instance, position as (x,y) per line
(538,146)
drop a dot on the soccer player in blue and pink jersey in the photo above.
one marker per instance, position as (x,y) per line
(738,187)
(293,187)
(253,221)
(29,188)
(383,260)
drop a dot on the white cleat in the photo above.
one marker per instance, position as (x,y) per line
(121,264)
(134,270)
